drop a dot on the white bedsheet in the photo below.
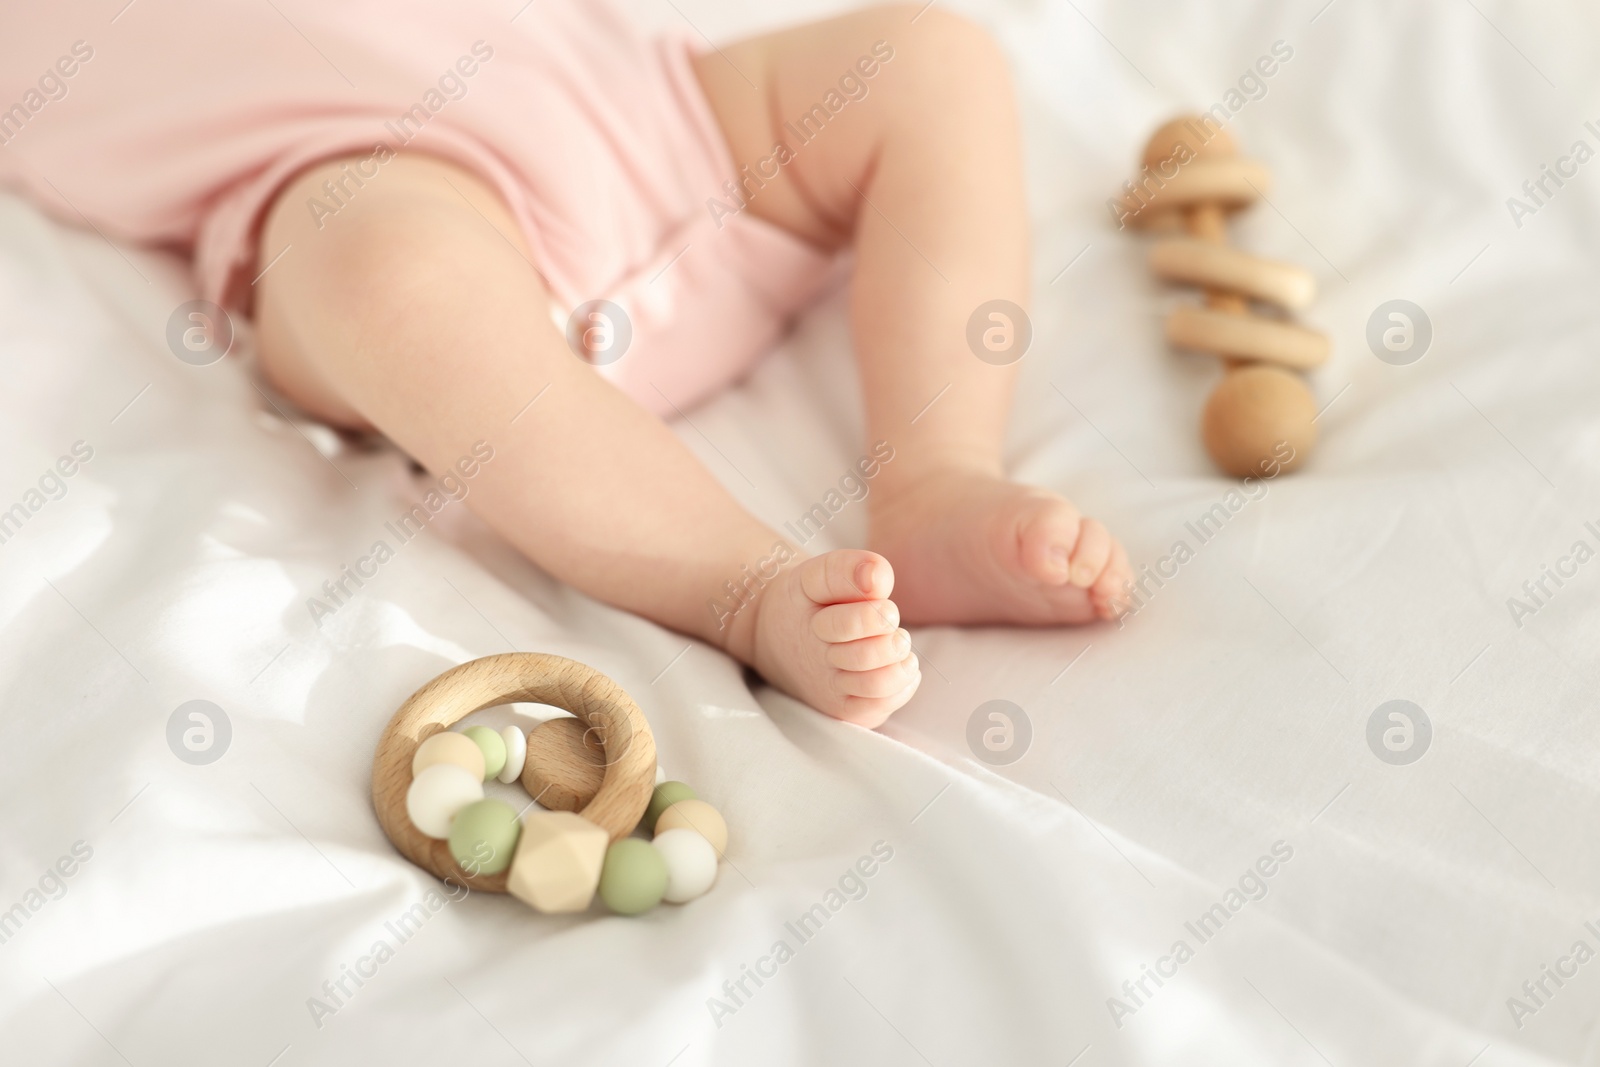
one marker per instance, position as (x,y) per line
(1227,718)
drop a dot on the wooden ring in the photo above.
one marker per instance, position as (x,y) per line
(514,677)
(1192,261)
(1246,337)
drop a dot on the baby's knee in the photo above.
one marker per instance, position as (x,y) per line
(943,56)
(949,45)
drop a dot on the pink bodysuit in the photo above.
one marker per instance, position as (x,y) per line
(176,122)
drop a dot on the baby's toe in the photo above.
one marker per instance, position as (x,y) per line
(873,712)
(1091,554)
(870,653)
(846,575)
(1110,590)
(1046,533)
(879,682)
(853,622)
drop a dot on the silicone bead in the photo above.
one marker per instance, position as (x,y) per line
(634,877)
(698,816)
(691,864)
(483,836)
(516,753)
(438,793)
(666,794)
(448,747)
(558,861)
(493,746)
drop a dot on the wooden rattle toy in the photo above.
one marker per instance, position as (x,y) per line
(595,773)
(1258,420)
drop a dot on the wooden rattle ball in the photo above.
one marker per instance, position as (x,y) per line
(698,816)
(1258,422)
(1191,137)
(564,766)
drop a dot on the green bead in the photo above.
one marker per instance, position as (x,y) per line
(666,795)
(483,836)
(634,876)
(494,749)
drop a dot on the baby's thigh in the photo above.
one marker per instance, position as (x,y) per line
(328,223)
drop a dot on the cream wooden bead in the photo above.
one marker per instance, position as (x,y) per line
(448,746)
(557,864)
(698,816)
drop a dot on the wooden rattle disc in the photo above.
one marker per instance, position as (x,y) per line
(1190,261)
(566,764)
(1258,422)
(1234,335)
(514,677)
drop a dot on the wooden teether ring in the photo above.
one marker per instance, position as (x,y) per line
(514,677)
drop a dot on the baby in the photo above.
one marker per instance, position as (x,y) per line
(401,199)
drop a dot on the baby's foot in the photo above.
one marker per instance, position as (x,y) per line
(970,548)
(826,632)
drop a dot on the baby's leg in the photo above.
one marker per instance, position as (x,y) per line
(407,311)
(924,172)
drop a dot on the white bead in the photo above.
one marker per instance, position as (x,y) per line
(437,794)
(691,864)
(516,753)
(661,774)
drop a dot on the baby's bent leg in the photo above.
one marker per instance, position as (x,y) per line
(922,167)
(415,309)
